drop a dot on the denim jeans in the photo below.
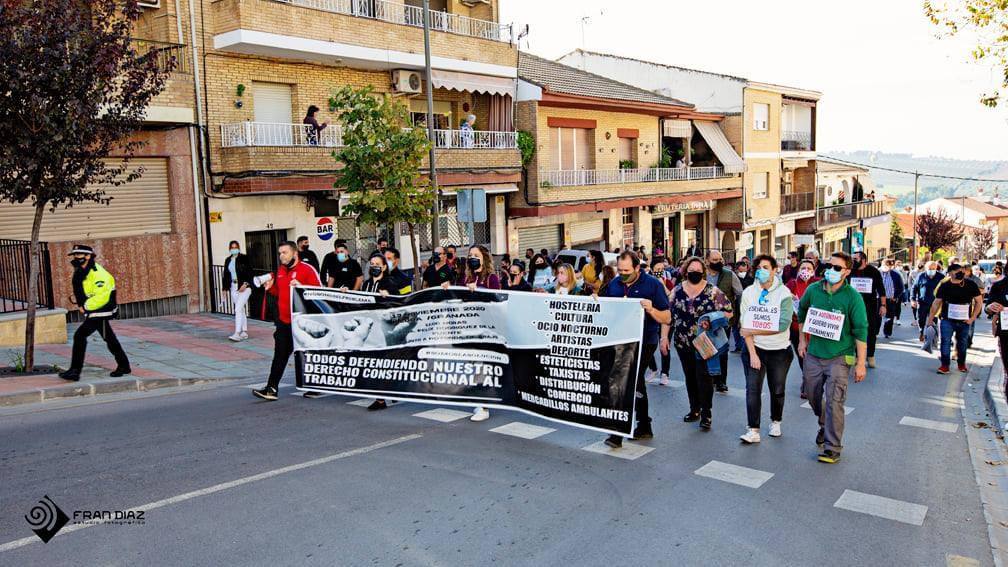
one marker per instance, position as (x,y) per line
(961,330)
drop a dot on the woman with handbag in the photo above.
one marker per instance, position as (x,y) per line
(691,300)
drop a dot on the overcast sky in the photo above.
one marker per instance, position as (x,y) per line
(888,84)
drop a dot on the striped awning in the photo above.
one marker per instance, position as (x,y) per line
(471,83)
(725,153)
(677,129)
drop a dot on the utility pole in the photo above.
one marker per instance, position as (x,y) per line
(913,252)
(435,230)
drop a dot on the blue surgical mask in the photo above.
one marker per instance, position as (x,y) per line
(930,273)
(833,276)
(341,256)
(762,275)
(234,251)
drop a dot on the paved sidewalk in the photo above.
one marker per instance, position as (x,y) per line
(163,351)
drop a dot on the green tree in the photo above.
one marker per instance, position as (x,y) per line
(381,162)
(73,88)
(986,22)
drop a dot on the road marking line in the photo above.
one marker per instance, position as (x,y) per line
(443,415)
(906,512)
(952,560)
(224,486)
(523,430)
(930,424)
(945,403)
(361,403)
(734,474)
(846,410)
(629,451)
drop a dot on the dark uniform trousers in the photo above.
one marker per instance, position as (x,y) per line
(283,347)
(102,326)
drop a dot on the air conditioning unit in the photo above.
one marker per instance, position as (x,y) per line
(149,3)
(406,81)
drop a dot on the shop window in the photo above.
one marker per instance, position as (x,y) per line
(628,215)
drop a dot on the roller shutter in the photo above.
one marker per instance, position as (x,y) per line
(138,207)
(549,237)
(590,231)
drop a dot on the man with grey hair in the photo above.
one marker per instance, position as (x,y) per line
(922,294)
(725,279)
(813,256)
(468,136)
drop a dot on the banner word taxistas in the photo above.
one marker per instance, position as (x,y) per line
(567,358)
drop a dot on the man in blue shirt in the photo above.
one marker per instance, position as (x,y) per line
(635,283)
(922,294)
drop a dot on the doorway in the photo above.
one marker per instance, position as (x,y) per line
(261,248)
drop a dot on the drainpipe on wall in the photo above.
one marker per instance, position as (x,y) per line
(197,188)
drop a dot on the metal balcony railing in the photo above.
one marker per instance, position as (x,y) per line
(797,202)
(172,56)
(399,13)
(576,177)
(245,134)
(796,141)
(849,212)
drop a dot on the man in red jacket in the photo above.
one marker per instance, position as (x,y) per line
(292,272)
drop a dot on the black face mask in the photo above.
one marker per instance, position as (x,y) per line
(435,259)
(78,262)
(450,255)
(290,264)
(716,266)
(475,263)
(694,277)
(375,271)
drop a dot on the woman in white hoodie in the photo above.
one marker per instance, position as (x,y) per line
(767,306)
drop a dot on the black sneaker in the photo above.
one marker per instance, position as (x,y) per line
(267,393)
(72,375)
(721,388)
(705,423)
(120,372)
(820,438)
(643,432)
(312,395)
(691,417)
(614,441)
(829,456)
(377,405)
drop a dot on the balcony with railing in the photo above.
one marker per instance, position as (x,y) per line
(796,141)
(265,134)
(582,177)
(849,212)
(173,57)
(797,203)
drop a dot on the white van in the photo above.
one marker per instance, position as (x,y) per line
(578,258)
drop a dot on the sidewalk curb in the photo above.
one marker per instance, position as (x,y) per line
(994,396)
(81,389)
(990,455)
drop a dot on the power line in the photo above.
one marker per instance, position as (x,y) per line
(934,175)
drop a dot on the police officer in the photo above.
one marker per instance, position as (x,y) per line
(95,296)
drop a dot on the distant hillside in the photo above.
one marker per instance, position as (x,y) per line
(901,185)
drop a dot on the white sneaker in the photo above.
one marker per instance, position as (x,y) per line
(898,324)
(480,414)
(775,429)
(243,335)
(664,380)
(235,337)
(750,436)
(650,376)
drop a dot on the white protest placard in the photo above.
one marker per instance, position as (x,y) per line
(862,285)
(958,311)
(761,317)
(825,324)
(1004,321)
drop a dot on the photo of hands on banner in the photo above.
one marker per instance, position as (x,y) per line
(572,359)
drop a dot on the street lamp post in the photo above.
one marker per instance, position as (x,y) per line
(435,230)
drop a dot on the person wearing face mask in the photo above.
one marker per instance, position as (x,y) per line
(747,278)
(922,294)
(305,255)
(565,283)
(592,271)
(790,271)
(724,278)
(997,301)
(380,281)
(958,301)
(540,272)
(804,278)
(516,278)
(691,300)
(341,271)
(95,295)
(292,272)
(830,351)
(867,280)
(237,281)
(438,270)
(633,282)
(893,284)
(767,309)
(396,277)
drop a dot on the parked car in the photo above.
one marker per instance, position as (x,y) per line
(578,258)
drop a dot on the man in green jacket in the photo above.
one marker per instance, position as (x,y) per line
(94,293)
(833,338)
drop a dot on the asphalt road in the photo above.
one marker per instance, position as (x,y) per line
(236,481)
